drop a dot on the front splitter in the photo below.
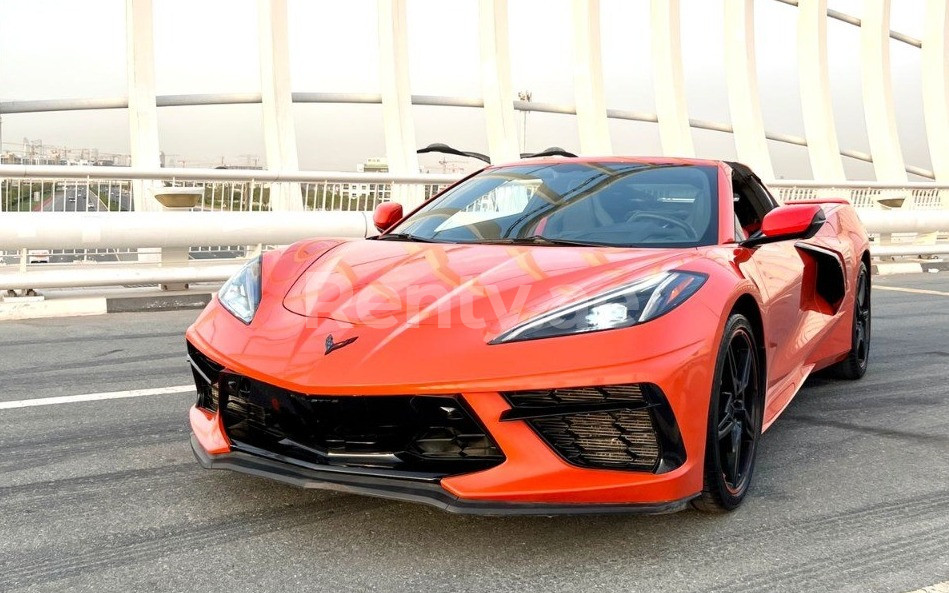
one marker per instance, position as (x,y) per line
(430,493)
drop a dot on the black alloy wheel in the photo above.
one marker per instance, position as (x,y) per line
(855,365)
(735,417)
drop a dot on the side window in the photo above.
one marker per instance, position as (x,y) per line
(764,196)
(749,210)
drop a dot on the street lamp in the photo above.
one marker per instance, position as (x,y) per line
(526,97)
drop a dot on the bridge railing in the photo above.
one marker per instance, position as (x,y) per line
(28,188)
(73,190)
(59,221)
(867,195)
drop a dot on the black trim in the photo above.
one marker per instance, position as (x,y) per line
(368,471)
(197,368)
(567,409)
(205,372)
(359,482)
(445,149)
(552,151)
(671,446)
(758,187)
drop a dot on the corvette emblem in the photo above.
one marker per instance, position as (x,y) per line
(331,345)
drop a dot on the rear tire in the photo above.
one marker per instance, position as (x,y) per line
(734,419)
(855,365)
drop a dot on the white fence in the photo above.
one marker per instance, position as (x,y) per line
(868,195)
(92,226)
(25,188)
(74,190)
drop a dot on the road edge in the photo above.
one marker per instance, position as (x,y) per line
(18,309)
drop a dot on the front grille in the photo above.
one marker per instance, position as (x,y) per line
(435,435)
(628,427)
(621,440)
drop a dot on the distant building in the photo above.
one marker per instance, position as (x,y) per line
(374,165)
(370,193)
(35,152)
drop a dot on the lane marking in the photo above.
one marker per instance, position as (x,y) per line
(91,397)
(937,588)
(913,290)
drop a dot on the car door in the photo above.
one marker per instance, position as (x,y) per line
(778,270)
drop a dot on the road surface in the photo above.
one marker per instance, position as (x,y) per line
(851,491)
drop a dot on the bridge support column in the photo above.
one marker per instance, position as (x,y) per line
(935,62)
(397,98)
(816,104)
(496,81)
(142,109)
(668,80)
(280,139)
(588,79)
(741,77)
(878,92)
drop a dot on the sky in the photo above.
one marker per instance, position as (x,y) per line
(52,49)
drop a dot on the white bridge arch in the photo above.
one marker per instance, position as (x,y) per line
(590,107)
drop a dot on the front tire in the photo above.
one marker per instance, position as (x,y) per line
(734,419)
(855,365)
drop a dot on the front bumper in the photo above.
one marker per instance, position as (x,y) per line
(533,477)
(262,464)
(429,361)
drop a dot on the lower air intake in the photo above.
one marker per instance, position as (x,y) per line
(621,439)
(627,427)
(432,435)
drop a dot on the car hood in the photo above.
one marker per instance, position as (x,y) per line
(395,283)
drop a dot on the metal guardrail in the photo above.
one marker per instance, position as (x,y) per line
(61,214)
(28,188)
(146,235)
(51,188)
(90,189)
(134,230)
(864,195)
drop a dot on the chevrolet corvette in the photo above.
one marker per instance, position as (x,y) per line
(555,335)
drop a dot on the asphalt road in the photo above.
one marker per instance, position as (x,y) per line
(72,199)
(79,198)
(851,491)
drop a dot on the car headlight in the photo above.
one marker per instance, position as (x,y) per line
(241,294)
(625,306)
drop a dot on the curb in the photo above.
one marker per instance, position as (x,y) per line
(917,267)
(887,269)
(172,302)
(18,309)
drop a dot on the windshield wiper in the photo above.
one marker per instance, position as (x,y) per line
(541,240)
(404,237)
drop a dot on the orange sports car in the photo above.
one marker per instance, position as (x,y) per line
(555,335)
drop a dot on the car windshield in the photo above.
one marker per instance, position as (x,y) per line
(616,204)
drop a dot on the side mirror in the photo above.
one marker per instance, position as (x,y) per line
(795,221)
(386,215)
